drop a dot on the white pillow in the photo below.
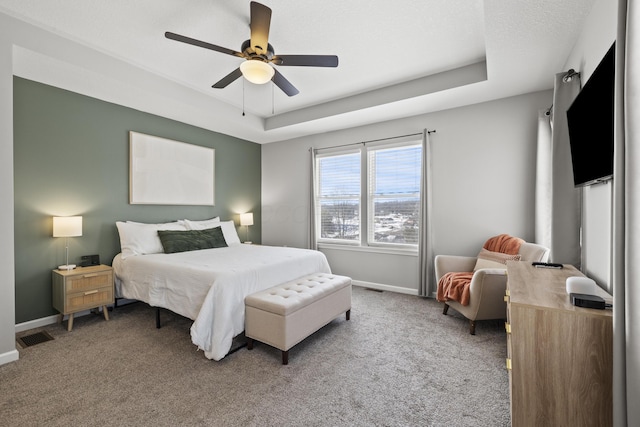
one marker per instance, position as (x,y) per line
(228,229)
(206,223)
(162,225)
(230,233)
(489,259)
(487,263)
(137,238)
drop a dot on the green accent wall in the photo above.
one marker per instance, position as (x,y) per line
(71,157)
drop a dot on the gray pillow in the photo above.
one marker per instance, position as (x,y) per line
(191,240)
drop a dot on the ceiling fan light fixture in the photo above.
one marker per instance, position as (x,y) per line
(257,67)
(257,72)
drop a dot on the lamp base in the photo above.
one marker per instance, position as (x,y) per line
(67,267)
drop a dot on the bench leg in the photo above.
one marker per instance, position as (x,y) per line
(249,343)
(285,357)
(349,314)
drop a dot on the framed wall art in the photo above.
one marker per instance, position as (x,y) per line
(167,172)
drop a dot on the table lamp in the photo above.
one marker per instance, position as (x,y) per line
(246,219)
(67,226)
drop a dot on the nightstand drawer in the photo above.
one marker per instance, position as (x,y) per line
(78,301)
(88,281)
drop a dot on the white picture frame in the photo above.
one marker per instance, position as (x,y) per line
(167,172)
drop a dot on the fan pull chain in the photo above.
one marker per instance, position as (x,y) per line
(242,97)
(272,101)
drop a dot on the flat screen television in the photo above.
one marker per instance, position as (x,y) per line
(591,121)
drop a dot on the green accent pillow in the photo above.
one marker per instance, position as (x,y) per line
(192,240)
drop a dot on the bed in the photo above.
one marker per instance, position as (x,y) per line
(207,286)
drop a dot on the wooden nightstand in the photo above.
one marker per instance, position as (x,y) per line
(82,288)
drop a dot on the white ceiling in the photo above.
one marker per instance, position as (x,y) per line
(396,59)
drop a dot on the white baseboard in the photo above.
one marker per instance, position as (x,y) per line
(382,287)
(49,320)
(9,356)
(44,321)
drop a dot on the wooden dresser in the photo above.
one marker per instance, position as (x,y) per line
(559,357)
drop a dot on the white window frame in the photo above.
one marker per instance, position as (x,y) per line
(366,219)
(318,199)
(371,199)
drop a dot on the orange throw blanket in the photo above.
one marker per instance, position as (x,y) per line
(454,286)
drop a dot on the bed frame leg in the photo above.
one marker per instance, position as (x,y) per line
(249,343)
(348,314)
(285,357)
(158,317)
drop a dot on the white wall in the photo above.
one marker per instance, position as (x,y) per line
(8,350)
(483,179)
(598,33)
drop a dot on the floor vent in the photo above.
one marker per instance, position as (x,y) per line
(33,339)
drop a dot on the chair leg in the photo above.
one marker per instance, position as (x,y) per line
(445,308)
(472,327)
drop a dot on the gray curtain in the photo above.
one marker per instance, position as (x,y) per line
(426,274)
(558,226)
(626,220)
(543,180)
(312,203)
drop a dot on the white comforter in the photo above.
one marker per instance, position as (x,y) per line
(209,286)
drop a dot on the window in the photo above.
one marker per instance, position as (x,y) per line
(338,196)
(370,196)
(394,194)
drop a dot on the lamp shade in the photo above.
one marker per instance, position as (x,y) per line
(256,71)
(67,226)
(246,218)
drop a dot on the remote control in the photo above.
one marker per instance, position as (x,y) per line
(546,265)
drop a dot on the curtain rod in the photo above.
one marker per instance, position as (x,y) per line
(373,140)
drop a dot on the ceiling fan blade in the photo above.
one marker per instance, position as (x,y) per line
(189,40)
(306,60)
(229,78)
(260,22)
(284,84)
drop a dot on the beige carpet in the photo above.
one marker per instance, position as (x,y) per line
(397,362)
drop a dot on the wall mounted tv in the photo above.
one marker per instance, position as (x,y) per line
(591,121)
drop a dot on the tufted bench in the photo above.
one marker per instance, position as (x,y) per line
(286,314)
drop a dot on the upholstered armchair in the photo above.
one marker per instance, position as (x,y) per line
(488,282)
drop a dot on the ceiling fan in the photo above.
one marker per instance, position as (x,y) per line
(259,54)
